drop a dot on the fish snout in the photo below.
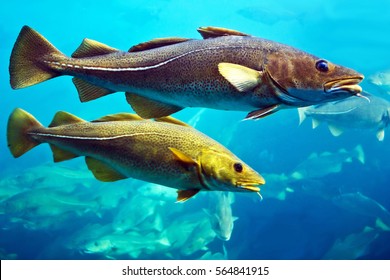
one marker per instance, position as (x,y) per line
(344,85)
(252,186)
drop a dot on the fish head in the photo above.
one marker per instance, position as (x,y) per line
(98,246)
(221,170)
(223,227)
(301,79)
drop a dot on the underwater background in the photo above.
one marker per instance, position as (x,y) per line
(59,211)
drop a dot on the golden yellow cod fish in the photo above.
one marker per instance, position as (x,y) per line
(166,151)
(227,70)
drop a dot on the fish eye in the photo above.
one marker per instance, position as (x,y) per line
(322,65)
(238,167)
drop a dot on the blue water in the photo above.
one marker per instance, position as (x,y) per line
(301,226)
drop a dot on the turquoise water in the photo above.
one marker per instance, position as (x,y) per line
(63,211)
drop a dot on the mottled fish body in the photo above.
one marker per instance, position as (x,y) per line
(166,152)
(228,70)
(371,112)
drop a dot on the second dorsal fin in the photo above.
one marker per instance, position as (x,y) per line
(213,32)
(89,48)
(157,43)
(63,118)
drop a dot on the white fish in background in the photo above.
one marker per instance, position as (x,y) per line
(317,166)
(199,238)
(134,212)
(157,192)
(278,186)
(382,80)
(351,113)
(132,244)
(362,205)
(220,213)
(352,246)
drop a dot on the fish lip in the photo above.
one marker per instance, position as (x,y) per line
(347,84)
(250,186)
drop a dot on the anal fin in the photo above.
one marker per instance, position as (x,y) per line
(102,171)
(183,195)
(147,108)
(88,91)
(261,113)
(60,154)
(334,130)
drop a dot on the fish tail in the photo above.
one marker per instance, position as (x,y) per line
(27,65)
(19,140)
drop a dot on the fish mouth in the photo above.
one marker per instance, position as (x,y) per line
(344,85)
(250,186)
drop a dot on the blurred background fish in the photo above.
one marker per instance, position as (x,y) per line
(371,112)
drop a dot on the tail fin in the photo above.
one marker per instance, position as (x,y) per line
(26,67)
(19,124)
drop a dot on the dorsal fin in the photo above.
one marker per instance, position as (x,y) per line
(89,48)
(102,171)
(213,32)
(148,108)
(63,118)
(156,43)
(119,117)
(172,121)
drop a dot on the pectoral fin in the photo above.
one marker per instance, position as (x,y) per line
(148,108)
(183,195)
(241,77)
(88,91)
(261,113)
(187,161)
(102,171)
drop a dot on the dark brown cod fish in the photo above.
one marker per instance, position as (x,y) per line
(227,70)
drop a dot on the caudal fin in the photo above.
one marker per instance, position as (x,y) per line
(26,66)
(19,124)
